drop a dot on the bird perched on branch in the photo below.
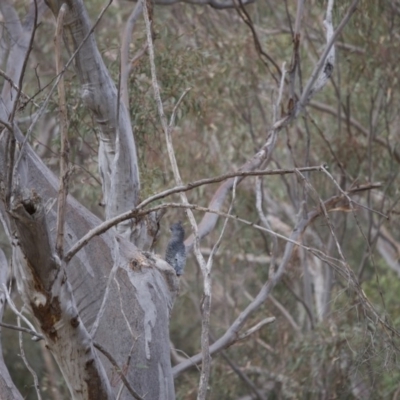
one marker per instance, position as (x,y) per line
(175,254)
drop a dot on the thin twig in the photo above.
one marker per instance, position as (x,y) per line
(14,86)
(21,77)
(255,328)
(284,312)
(370,253)
(216,4)
(279,99)
(30,369)
(64,170)
(295,63)
(35,334)
(104,301)
(332,202)
(224,177)
(325,212)
(7,125)
(264,57)
(15,310)
(353,122)
(264,220)
(259,190)
(118,370)
(125,63)
(300,300)
(206,309)
(321,62)
(11,144)
(242,375)
(105,226)
(175,109)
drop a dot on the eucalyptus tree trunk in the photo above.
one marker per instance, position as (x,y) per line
(109,295)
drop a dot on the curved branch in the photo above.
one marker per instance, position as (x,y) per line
(105,226)
(209,221)
(218,5)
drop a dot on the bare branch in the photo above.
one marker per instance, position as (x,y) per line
(284,312)
(125,63)
(178,103)
(295,63)
(28,366)
(264,57)
(11,145)
(24,64)
(217,4)
(224,177)
(63,189)
(264,220)
(7,125)
(118,370)
(14,86)
(242,375)
(255,328)
(31,332)
(105,226)
(100,229)
(325,62)
(262,157)
(15,310)
(279,99)
(7,387)
(104,301)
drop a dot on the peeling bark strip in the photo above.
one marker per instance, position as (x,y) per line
(48,314)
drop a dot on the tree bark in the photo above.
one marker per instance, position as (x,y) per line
(77,304)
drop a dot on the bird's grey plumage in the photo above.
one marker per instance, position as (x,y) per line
(176,251)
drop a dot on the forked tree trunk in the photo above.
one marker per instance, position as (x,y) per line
(110,294)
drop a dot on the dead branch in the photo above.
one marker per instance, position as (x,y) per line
(27,365)
(126,40)
(118,370)
(64,170)
(105,226)
(218,5)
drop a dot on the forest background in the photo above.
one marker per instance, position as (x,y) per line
(325,340)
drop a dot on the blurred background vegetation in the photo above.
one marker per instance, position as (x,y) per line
(352,126)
